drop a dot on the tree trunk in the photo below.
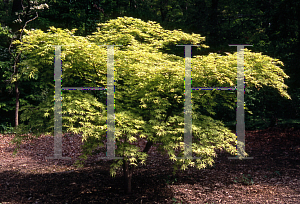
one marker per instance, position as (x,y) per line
(163,9)
(131,5)
(17,6)
(214,22)
(17,104)
(274,121)
(128,170)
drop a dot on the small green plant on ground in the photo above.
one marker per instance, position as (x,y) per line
(171,181)
(246,180)
(272,175)
(175,201)
(276,173)
(6,128)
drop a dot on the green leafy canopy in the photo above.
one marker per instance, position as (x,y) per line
(149,93)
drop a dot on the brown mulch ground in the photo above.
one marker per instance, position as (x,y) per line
(275,172)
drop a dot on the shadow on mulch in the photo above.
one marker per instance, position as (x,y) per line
(91,185)
(274,171)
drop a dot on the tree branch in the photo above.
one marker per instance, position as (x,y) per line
(150,143)
(148,146)
(17,57)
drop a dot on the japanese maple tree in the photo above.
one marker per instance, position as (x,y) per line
(149,90)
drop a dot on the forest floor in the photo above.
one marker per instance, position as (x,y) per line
(273,176)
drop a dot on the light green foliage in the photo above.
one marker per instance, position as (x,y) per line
(149,94)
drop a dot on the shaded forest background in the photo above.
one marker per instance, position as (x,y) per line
(272,27)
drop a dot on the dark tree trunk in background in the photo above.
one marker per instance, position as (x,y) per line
(214,22)
(17,104)
(131,4)
(17,6)
(116,12)
(163,10)
(7,12)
